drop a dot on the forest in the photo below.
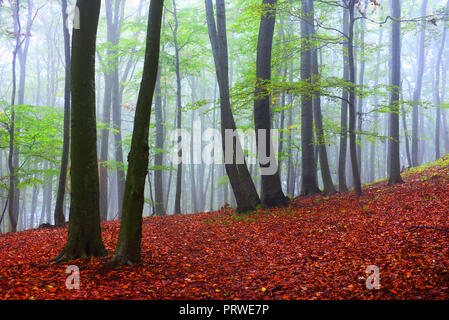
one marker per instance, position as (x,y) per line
(238,149)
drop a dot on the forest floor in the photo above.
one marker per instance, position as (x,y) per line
(318,248)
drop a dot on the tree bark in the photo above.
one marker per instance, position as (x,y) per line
(159,156)
(130,235)
(352,114)
(418,87)
(395,164)
(342,186)
(241,182)
(328,184)
(84,234)
(436,91)
(178,111)
(272,194)
(59,213)
(309,179)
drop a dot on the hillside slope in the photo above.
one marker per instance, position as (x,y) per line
(318,248)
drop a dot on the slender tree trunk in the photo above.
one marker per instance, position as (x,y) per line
(178,111)
(395,164)
(129,242)
(360,99)
(418,86)
(241,182)
(309,180)
(328,184)
(352,115)
(436,91)
(372,174)
(159,156)
(13,217)
(59,214)
(272,194)
(342,186)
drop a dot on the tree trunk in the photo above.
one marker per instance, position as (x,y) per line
(309,181)
(418,86)
(59,214)
(84,234)
(436,91)
(328,184)
(352,115)
(342,186)
(178,112)
(395,164)
(12,212)
(129,241)
(242,184)
(272,194)
(360,99)
(159,156)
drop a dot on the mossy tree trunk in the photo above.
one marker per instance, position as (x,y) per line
(129,242)
(84,235)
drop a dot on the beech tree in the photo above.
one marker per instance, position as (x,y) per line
(84,234)
(239,176)
(129,241)
(59,213)
(272,194)
(395,162)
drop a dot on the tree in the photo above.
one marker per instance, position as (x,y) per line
(114,30)
(158,157)
(84,234)
(59,214)
(129,241)
(242,185)
(12,211)
(342,186)
(328,184)
(395,162)
(178,110)
(418,87)
(436,92)
(351,102)
(272,194)
(309,179)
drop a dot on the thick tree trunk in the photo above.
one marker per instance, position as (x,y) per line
(84,234)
